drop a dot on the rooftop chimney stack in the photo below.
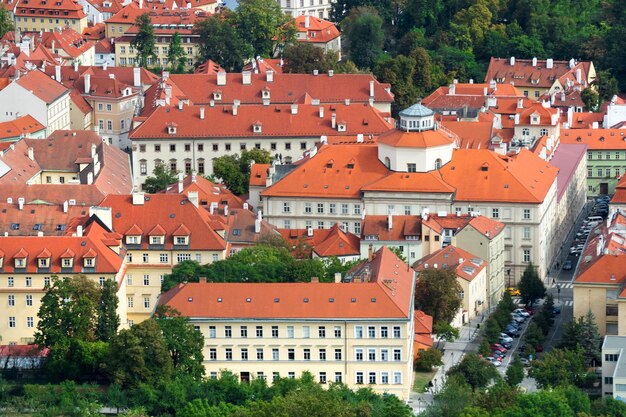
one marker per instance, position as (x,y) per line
(321,112)
(192,196)
(57,73)
(257,226)
(309,231)
(20,203)
(246,78)
(389,221)
(331,73)
(370,252)
(65,205)
(137,77)
(371,88)
(579,75)
(512,61)
(201,113)
(534,61)
(105,65)
(333,120)
(31,153)
(294,109)
(234,110)
(549,63)
(337,277)
(221,78)
(180,182)
(87,83)
(520,103)
(269,76)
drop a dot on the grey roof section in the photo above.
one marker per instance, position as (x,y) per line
(417,110)
(614,342)
(282,171)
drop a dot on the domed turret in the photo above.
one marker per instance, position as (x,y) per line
(417,118)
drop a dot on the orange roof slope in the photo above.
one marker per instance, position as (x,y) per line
(387,294)
(171,212)
(524,178)
(274,121)
(68,40)
(596,139)
(426,182)
(318,30)
(524,74)
(325,242)
(50,219)
(208,192)
(426,139)
(24,125)
(334,171)
(401,227)
(472,135)
(258,175)
(42,86)
(466,265)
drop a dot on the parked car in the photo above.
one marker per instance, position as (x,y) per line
(506,338)
(539,348)
(513,291)
(512,331)
(521,312)
(530,310)
(498,347)
(525,361)
(518,318)
(556,310)
(567,265)
(496,356)
(506,345)
(493,361)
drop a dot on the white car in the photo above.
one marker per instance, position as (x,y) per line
(521,312)
(505,337)
(494,361)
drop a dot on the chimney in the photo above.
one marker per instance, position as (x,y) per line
(333,120)
(389,221)
(65,204)
(257,226)
(572,63)
(192,196)
(485,91)
(87,83)
(180,182)
(31,153)
(137,77)
(337,277)
(226,210)
(520,103)
(193,177)
(534,61)
(347,101)
(269,76)
(93,150)
(20,203)
(221,78)
(451,89)
(79,230)
(315,280)
(104,66)
(321,112)
(512,61)
(246,78)
(316,72)
(461,260)
(57,72)
(201,113)
(234,110)
(549,63)
(570,116)
(331,73)
(578,75)
(294,109)
(212,207)
(138,199)
(202,280)
(309,231)
(371,88)
(307,21)
(359,138)
(370,252)
(471,81)
(259,215)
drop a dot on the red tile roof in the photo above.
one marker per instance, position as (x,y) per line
(174,213)
(22,351)
(276,120)
(43,87)
(604,257)
(486,226)
(325,242)
(285,88)
(105,46)
(387,294)
(318,31)
(95,32)
(208,193)
(68,40)
(50,219)
(258,175)
(524,74)
(423,327)
(24,125)
(426,182)
(401,227)
(471,135)
(426,139)
(73,76)
(466,265)
(92,243)
(584,120)
(547,115)
(76,99)
(67,9)
(595,139)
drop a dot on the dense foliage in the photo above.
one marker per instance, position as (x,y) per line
(234,170)
(437,294)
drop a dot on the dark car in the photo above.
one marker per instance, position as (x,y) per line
(511,331)
(556,310)
(506,345)
(567,265)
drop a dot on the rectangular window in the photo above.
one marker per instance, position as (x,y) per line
(320,225)
(259,354)
(611,358)
(526,233)
(407,210)
(274,331)
(359,377)
(396,332)
(12,321)
(290,332)
(306,332)
(320,208)
(397,378)
(357,228)
(321,331)
(146,302)
(608,379)
(358,332)
(371,332)
(338,377)
(308,208)
(228,332)
(146,280)
(371,378)
(244,354)
(30,322)
(332,208)
(526,214)
(384,332)
(411,167)
(307,354)
(371,354)
(357,209)
(384,355)
(495,213)
(130,301)
(243,331)
(291,354)
(526,256)
(358,354)
(163,258)
(275,354)
(11,300)
(322,354)
(286,207)
(384,377)
(397,355)
(337,354)
(212,332)
(322,377)
(213,354)
(337,332)
(229,354)
(259,331)
(344,209)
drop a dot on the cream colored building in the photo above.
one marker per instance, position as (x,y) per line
(601,275)
(613,367)
(28,263)
(159,231)
(358,332)
(49,16)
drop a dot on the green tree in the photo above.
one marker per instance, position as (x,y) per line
(139,355)
(427,359)
(176,56)
(607,85)
(590,340)
(591,98)
(144,41)
(6,22)
(160,179)
(559,367)
(445,331)
(571,335)
(304,58)
(185,271)
(363,36)
(534,335)
(484,348)
(452,400)
(477,372)
(492,330)
(515,372)
(422,79)
(262,24)
(234,170)
(183,342)
(531,286)
(219,41)
(108,319)
(437,294)
(398,72)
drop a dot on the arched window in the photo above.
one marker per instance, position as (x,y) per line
(525,131)
(387,162)
(438,163)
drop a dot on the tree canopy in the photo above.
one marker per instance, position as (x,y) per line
(531,286)
(160,179)
(144,42)
(234,170)
(437,294)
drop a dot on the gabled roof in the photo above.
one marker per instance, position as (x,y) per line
(67,9)
(169,211)
(465,265)
(67,40)
(425,182)
(24,125)
(258,175)
(401,227)
(43,87)
(545,114)
(318,31)
(596,139)
(524,74)
(489,228)
(325,242)
(73,75)
(387,294)
(471,135)
(208,193)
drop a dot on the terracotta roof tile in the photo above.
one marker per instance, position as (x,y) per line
(325,242)
(466,265)
(258,174)
(425,139)
(43,87)
(318,31)
(595,139)
(24,125)
(524,74)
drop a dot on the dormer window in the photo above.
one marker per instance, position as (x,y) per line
(133,240)
(341,126)
(156,240)
(257,127)
(181,240)
(181,235)
(265,93)
(90,262)
(20,262)
(171,128)
(217,95)
(43,262)
(67,262)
